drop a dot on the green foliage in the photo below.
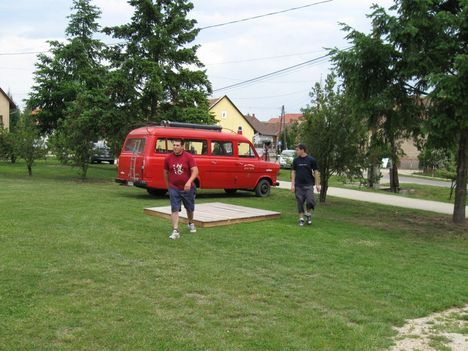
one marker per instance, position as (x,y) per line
(7,149)
(376,84)
(70,89)
(28,143)
(333,134)
(151,79)
(417,50)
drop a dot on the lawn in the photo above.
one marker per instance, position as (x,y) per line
(83,269)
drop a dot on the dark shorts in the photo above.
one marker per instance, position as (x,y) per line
(181,196)
(305,194)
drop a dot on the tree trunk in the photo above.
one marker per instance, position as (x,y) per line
(462,175)
(323,190)
(29,170)
(394,181)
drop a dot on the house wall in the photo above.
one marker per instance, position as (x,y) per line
(410,160)
(228,117)
(5,111)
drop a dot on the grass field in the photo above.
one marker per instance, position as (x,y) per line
(81,268)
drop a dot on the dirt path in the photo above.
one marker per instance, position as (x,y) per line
(447,330)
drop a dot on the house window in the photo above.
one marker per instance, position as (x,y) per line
(224,114)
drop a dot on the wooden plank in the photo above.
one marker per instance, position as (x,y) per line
(216,214)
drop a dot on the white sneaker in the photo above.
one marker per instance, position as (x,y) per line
(192,228)
(175,235)
(308,219)
(301,222)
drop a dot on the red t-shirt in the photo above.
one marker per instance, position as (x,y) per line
(179,168)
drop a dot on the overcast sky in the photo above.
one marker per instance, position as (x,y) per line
(232,53)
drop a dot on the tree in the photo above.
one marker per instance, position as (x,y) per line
(28,142)
(373,78)
(332,134)
(70,88)
(151,76)
(431,38)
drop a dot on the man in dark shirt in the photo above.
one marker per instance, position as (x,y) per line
(304,176)
(180,171)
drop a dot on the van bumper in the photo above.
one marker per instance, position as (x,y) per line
(138,183)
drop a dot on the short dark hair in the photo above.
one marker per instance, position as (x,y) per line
(301,146)
(179,140)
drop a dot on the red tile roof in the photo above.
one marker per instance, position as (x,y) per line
(288,118)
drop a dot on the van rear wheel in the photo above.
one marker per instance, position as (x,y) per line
(156,192)
(263,188)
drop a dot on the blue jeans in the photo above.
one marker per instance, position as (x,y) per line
(178,197)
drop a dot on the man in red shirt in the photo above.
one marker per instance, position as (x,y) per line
(180,171)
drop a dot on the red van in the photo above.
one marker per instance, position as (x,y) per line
(225,160)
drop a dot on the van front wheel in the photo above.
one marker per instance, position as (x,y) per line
(263,188)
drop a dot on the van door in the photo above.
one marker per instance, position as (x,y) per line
(222,165)
(135,148)
(245,166)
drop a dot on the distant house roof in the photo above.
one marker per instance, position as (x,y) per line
(263,128)
(12,104)
(288,118)
(213,102)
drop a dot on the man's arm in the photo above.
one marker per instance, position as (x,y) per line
(293,179)
(317,180)
(193,176)
(166,178)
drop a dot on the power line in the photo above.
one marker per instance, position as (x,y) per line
(265,15)
(276,73)
(263,58)
(202,28)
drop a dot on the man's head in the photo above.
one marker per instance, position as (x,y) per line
(178,146)
(300,150)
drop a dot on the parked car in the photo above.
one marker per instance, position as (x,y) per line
(102,153)
(286,158)
(225,160)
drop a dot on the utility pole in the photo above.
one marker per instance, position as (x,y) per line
(285,139)
(279,146)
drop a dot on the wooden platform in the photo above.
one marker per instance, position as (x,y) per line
(215,214)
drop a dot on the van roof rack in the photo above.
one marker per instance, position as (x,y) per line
(166,123)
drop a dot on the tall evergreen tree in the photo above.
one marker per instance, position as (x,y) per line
(374,79)
(70,86)
(156,73)
(431,38)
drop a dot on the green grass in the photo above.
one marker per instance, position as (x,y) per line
(83,269)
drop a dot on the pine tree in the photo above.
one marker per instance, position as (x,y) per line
(70,86)
(156,72)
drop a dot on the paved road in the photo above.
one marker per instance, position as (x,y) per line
(384,199)
(413,180)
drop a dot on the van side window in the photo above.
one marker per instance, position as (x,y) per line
(245,150)
(196,147)
(221,148)
(135,145)
(161,146)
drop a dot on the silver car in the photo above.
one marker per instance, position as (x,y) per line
(286,158)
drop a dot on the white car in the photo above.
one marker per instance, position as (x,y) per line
(286,158)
